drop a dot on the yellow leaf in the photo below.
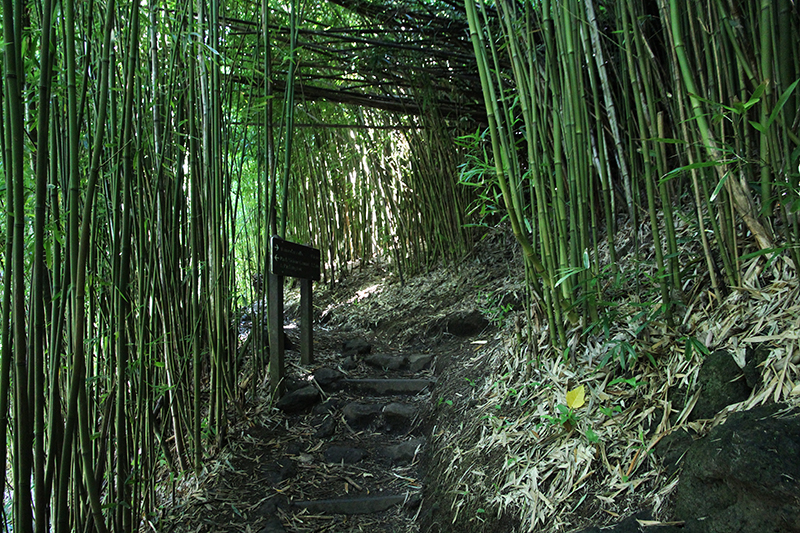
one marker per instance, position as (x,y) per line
(576,397)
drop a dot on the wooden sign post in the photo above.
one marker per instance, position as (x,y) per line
(296,261)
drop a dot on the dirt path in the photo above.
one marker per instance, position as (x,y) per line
(348,448)
(342,452)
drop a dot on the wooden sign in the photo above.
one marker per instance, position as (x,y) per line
(294,260)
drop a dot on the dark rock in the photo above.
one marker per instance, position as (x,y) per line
(327,407)
(399,416)
(328,378)
(754,358)
(672,447)
(344,454)
(276,471)
(326,428)
(357,346)
(360,415)
(269,509)
(403,453)
(744,476)
(465,323)
(631,525)
(294,448)
(292,384)
(387,362)
(389,386)
(355,505)
(273,525)
(419,362)
(299,400)
(722,383)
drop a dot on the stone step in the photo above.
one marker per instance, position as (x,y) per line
(357,504)
(388,386)
(415,363)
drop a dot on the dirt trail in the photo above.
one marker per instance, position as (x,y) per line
(346,449)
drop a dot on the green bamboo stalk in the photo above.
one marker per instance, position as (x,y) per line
(195,245)
(41,489)
(710,264)
(766,29)
(8,271)
(23,429)
(77,408)
(123,514)
(740,195)
(648,173)
(598,140)
(611,108)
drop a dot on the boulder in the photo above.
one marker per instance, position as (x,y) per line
(329,406)
(386,362)
(299,400)
(744,476)
(671,448)
(328,378)
(325,428)
(280,470)
(357,346)
(419,362)
(403,453)
(360,415)
(722,383)
(399,416)
(344,454)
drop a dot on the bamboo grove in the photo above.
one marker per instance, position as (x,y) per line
(667,112)
(149,150)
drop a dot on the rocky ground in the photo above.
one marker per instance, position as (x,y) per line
(432,408)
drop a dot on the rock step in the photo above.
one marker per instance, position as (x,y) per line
(357,504)
(388,386)
(414,363)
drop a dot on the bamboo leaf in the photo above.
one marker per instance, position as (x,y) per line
(719,186)
(781,102)
(756,96)
(765,251)
(758,126)
(712,103)
(666,140)
(567,273)
(702,164)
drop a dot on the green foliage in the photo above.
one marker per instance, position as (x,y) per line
(492,306)
(610,412)
(591,436)
(565,417)
(692,346)
(478,173)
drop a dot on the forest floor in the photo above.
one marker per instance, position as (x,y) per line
(506,449)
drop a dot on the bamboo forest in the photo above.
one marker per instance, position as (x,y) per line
(641,156)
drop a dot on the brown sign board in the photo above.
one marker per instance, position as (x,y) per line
(294,260)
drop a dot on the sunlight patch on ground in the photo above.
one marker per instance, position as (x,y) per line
(365,293)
